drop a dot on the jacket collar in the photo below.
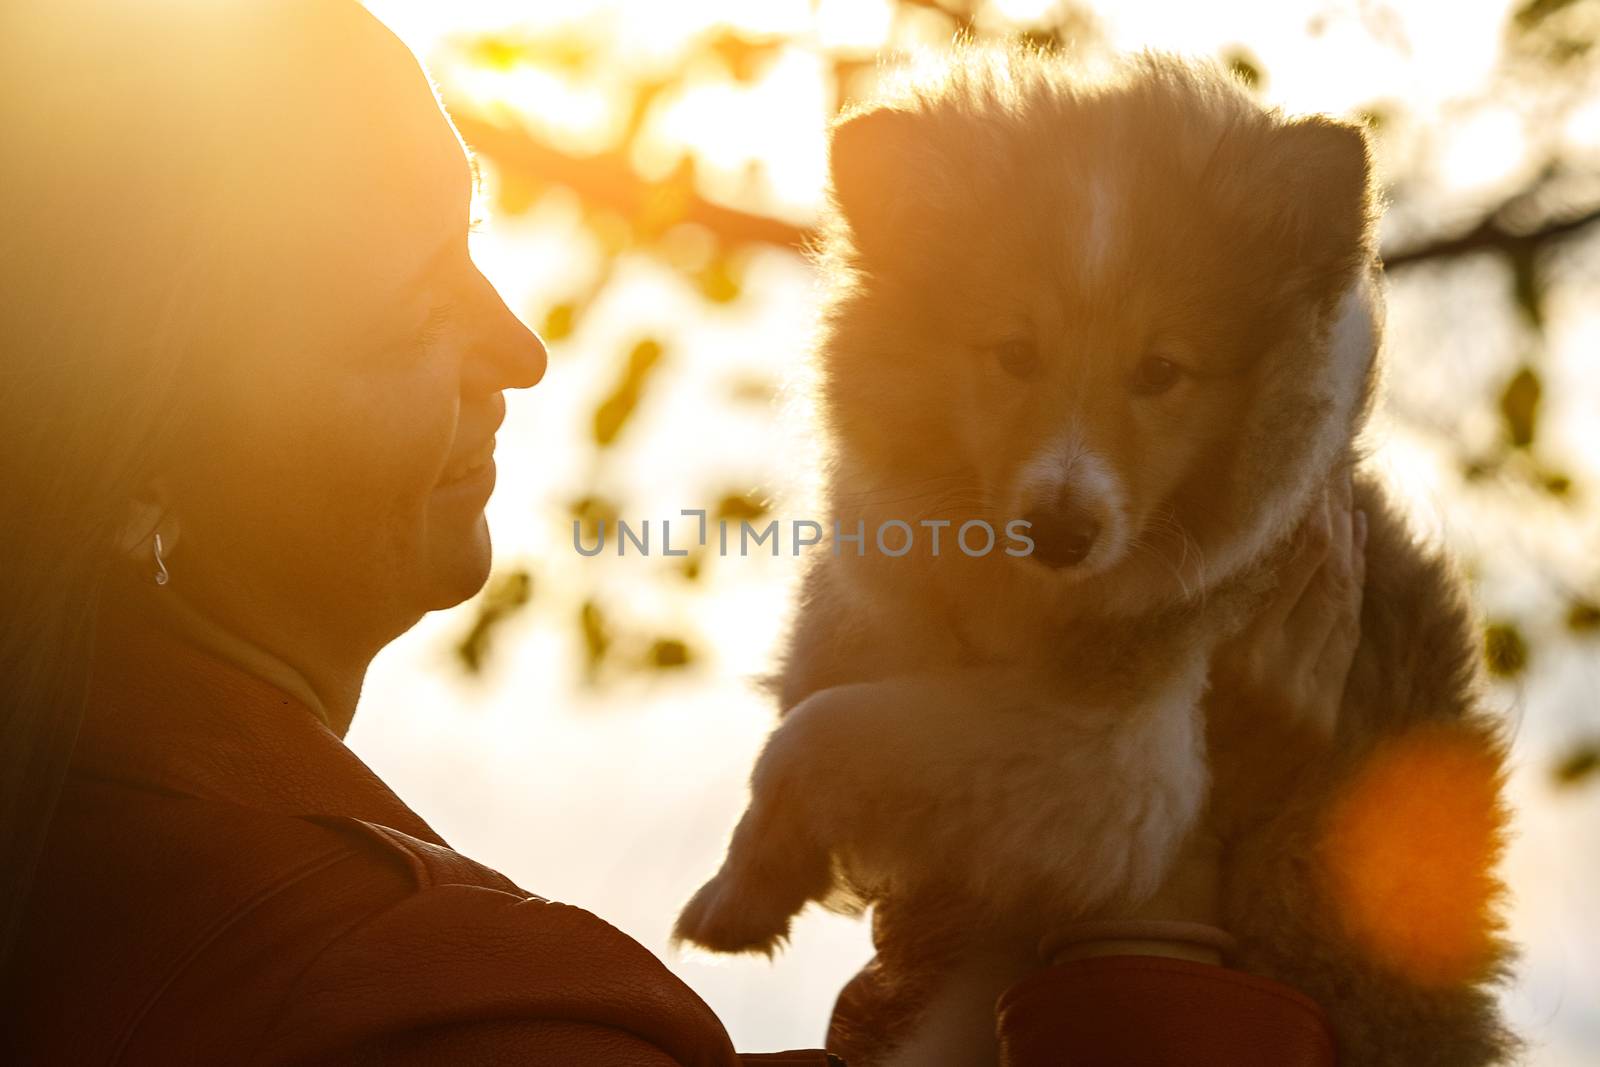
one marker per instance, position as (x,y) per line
(165,714)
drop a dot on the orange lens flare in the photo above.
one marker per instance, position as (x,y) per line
(1411,846)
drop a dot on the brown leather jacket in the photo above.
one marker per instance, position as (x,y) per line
(226,882)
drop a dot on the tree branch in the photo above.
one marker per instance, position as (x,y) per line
(609,179)
(1490,235)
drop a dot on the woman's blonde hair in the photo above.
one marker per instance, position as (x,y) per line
(128,168)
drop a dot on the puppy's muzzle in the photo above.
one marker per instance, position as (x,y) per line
(1063,532)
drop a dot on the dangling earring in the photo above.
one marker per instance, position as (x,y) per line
(162,576)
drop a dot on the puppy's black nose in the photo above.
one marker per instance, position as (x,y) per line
(1062,533)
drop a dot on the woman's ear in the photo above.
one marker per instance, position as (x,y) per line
(145,516)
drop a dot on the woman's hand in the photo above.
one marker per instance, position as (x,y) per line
(1276,687)
(1289,665)
(1276,691)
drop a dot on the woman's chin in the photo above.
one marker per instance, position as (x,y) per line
(461,567)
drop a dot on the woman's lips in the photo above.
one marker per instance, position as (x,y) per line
(469,466)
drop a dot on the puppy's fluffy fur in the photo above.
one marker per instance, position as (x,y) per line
(1011,745)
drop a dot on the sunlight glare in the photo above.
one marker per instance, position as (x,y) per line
(1410,847)
(853,23)
(1483,149)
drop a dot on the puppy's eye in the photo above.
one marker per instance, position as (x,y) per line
(1017,357)
(1155,375)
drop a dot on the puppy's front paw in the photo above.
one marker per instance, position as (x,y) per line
(729,914)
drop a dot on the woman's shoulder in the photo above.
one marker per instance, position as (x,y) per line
(153,909)
(457,954)
(305,935)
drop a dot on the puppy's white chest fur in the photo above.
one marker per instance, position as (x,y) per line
(1035,803)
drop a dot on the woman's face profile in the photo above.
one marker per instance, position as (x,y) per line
(337,469)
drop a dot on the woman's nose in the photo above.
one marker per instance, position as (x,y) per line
(508,355)
(531,357)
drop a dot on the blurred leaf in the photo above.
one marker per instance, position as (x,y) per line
(612,414)
(1566,48)
(643,359)
(752,390)
(592,508)
(1375,117)
(512,591)
(1556,32)
(1527,284)
(558,321)
(1583,616)
(1476,470)
(667,653)
(1043,39)
(494,53)
(500,600)
(596,635)
(617,408)
(589,512)
(739,507)
(717,282)
(1519,406)
(1505,650)
(693,565)
(1245,67)
(566,52)
(1530,14)
(1555,483)
(515,191)
(1581,763)
(745,58)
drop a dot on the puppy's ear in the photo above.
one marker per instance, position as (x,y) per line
(881,166)
(1317,173)
(1330,170)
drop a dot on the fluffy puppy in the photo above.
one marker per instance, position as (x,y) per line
(1140,312)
